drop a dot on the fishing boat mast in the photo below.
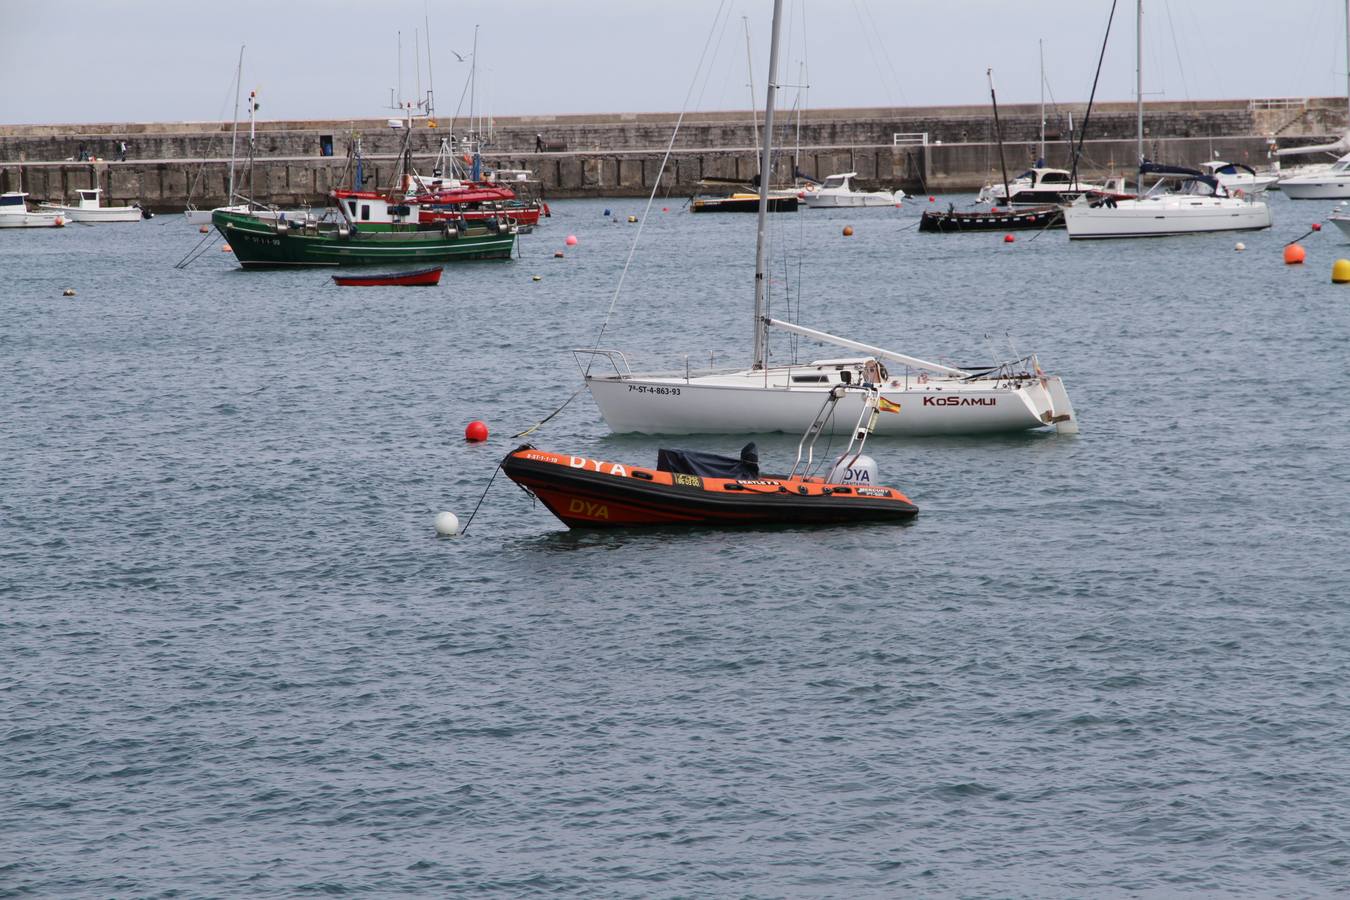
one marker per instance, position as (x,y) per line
(234,132)
(765,177)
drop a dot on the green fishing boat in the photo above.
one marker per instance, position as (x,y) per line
(260,242)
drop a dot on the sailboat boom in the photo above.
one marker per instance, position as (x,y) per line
(878,352)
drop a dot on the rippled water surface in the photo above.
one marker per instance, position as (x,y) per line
(238,661)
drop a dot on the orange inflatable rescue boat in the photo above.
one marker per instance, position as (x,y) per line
(694,488)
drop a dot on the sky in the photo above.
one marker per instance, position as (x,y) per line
(88,61)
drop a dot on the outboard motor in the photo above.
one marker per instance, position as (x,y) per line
(862,472)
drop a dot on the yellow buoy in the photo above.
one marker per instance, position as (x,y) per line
(1340,271)
(632,218)
(536,277)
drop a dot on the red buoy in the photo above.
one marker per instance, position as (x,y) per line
(476,432)
(1317,226)
(1008,239)
(932,199)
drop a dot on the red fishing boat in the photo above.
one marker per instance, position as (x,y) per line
(420,277)
(694,488)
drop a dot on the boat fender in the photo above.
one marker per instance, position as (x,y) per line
(451,232)
(848,469)
(493,226)
(343,231)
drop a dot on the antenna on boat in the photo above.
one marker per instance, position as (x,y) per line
(765,168)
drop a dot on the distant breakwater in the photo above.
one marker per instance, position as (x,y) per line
(922,150)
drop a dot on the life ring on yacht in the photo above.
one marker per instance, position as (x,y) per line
(1237,193)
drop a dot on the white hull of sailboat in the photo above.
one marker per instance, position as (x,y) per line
(1159,217)
(748,402)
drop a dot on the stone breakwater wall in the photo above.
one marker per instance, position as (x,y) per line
(171,165)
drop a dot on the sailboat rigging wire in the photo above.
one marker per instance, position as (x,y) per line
(651,198)
(1082,131)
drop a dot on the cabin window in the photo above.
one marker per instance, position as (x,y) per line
(11,201)
(1055,178)
(351,205)
(365,212)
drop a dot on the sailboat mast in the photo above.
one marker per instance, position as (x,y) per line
(1347,63)
(998,136)
(1139,88)
(750,69)
(234,132)
(765,177)
(1041,45)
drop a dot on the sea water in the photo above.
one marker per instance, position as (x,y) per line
(237,659)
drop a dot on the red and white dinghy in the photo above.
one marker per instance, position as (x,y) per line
(420,277)
(690,488)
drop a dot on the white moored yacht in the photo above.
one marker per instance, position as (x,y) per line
(920,397)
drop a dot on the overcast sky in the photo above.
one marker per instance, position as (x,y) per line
(86,61)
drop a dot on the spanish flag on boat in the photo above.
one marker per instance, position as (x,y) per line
(887,406)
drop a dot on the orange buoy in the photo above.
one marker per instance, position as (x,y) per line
(1008,239)
(848,231)
(203,230)
(1294,254)
(476,432)
(224,248)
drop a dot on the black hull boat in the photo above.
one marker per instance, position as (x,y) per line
(1025,219)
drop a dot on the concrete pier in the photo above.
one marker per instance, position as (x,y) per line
(923,150)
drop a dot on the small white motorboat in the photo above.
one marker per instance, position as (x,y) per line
(837,191)
(14,213)
(90,211)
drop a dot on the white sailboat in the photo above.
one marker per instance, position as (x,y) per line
(1202,204)
(930,398)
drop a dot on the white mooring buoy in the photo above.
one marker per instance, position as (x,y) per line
(447,524)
